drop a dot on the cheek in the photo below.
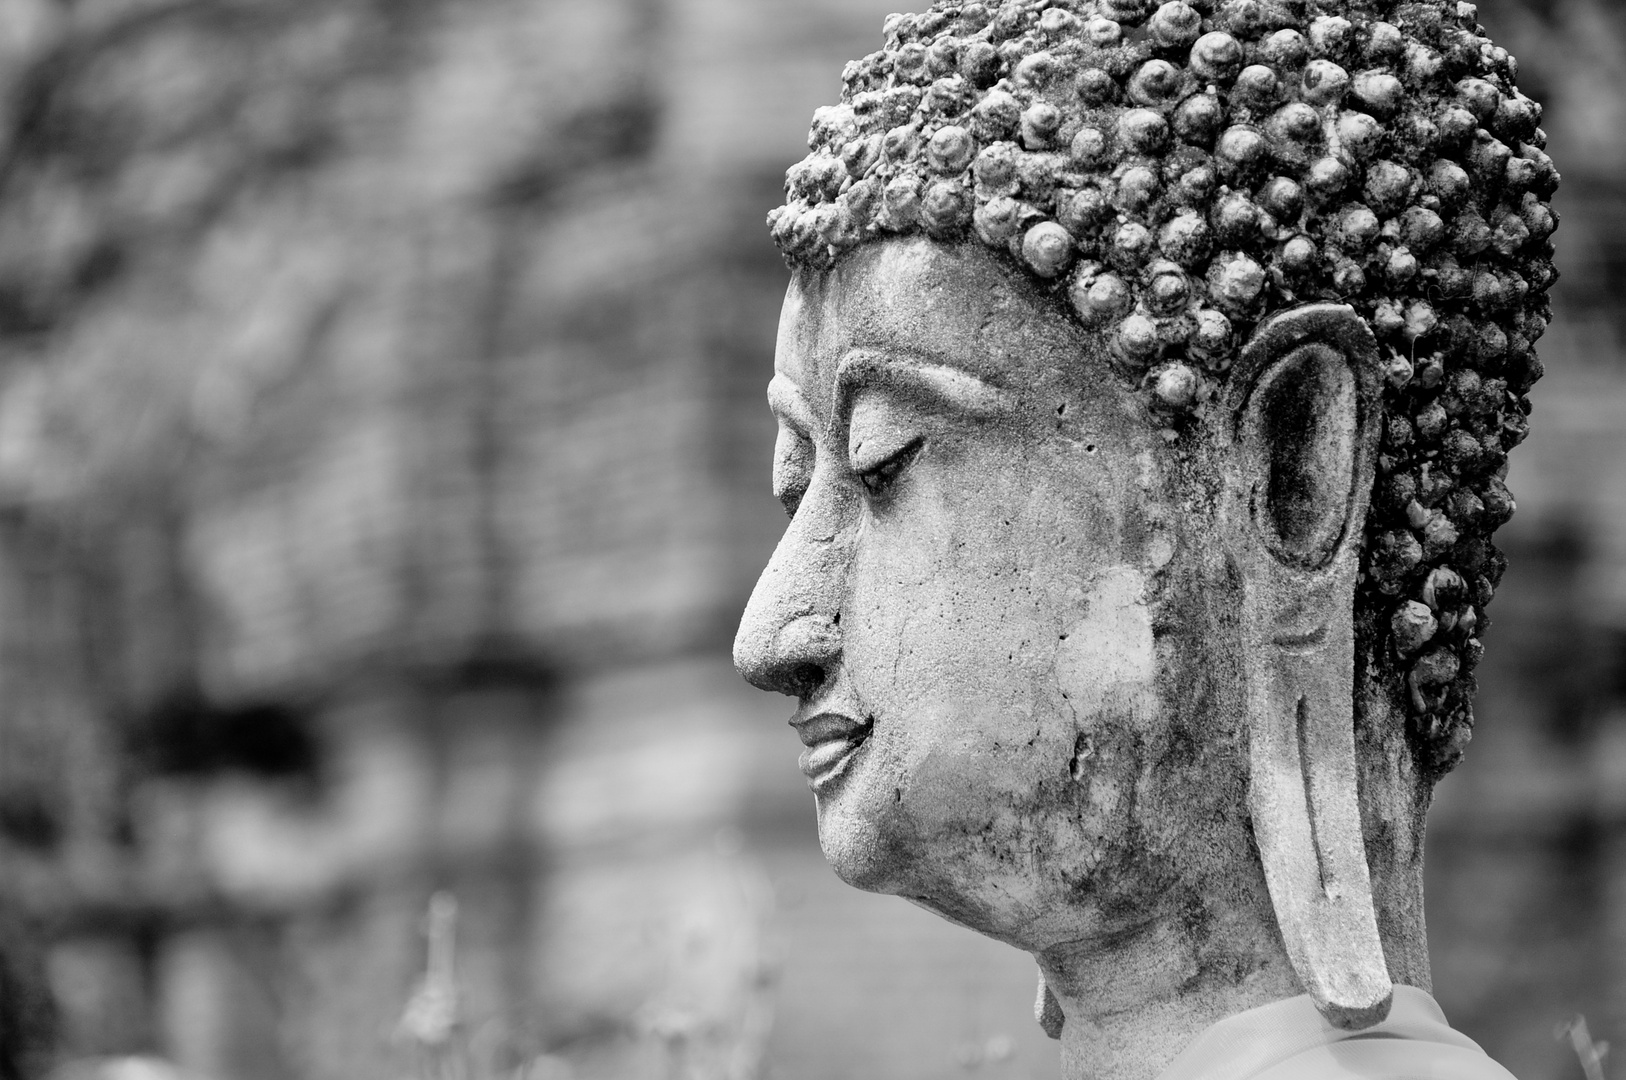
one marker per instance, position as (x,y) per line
(962,592)
(997,629)
(973,578)
(934,604)
(1106,660)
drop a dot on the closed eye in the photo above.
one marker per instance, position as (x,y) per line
(878,479)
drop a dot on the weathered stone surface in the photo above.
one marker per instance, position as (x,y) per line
(1103,639)
(1434,224)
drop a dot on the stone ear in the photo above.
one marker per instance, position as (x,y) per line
(1299,430)
(1305,412)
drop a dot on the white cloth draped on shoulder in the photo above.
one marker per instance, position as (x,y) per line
(1290,1040)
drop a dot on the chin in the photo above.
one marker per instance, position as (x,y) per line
(854,835)
(874,841)
(867,855)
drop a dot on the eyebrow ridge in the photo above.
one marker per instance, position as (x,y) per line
(970,395)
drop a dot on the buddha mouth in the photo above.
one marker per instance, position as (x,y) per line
(831,740)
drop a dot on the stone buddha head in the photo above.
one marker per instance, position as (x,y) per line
(1145,388)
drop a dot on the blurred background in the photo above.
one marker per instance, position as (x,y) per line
(383,465)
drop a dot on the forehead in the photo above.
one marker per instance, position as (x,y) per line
(953,305)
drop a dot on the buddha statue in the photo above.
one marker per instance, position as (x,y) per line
(1145,387)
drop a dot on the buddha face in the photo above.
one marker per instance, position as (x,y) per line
(963,603)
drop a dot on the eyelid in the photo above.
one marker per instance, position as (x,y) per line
(879,478)
(872,453)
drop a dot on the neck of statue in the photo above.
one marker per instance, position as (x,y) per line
(1133,1000)
(1133,1005)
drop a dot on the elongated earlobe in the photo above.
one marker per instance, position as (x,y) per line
(1305,428)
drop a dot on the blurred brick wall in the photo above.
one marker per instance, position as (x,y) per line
(382,467)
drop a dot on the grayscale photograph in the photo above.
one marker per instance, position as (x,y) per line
(793,540)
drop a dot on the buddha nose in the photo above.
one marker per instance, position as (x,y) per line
(789,639)
(796,660)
